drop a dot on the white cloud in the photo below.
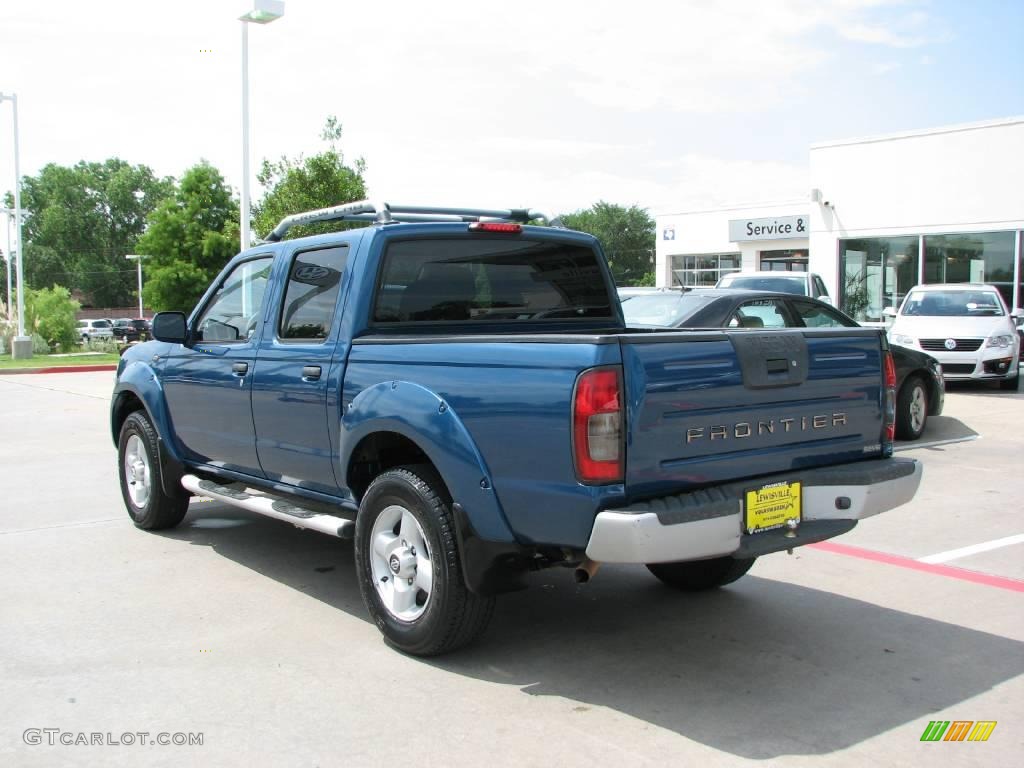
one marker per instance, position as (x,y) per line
(878,35)
(884,67)
(452,100)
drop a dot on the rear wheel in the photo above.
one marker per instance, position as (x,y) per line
(699,575)
(911,409)
(141,482)
(408,567)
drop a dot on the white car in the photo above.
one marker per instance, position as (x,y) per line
(95,329)
(798,283)
(966,326)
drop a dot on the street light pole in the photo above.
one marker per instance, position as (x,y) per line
(245,136)
(22,346)
(138,260)
(262,12)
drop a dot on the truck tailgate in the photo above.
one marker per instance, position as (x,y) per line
(706,407)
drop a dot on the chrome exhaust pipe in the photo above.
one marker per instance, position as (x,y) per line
(586,570)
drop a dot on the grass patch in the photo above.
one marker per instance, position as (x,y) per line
(50,361)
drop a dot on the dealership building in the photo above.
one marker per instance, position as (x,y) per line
(882,214)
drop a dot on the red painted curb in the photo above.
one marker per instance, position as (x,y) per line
(949,571)
(61,369)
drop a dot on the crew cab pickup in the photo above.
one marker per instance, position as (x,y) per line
(456,390)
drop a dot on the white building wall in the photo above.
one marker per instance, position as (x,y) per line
(965,178)
(707,232)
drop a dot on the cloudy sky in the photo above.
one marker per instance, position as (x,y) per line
(669,105)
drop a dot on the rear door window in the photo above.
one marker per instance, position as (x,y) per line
(311,298)
(817,316)
(759,313)
(489,279)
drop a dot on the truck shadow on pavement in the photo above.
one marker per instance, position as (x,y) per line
(759,669)
(939,429)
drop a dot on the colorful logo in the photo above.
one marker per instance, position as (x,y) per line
(958,730)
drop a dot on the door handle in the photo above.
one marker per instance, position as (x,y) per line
(240,369)
(311,372)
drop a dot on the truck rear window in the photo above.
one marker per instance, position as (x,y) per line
(488,280)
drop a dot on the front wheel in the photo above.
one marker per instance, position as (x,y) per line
(911,409)
(141,482)
(699,575)
(408,568)
(1009,385)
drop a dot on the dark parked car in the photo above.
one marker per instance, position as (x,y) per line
(131,330)
(920,390)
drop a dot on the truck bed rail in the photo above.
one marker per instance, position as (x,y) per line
(388,213)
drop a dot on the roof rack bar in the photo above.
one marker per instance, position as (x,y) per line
(385,213)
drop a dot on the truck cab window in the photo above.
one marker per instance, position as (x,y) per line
(490,280)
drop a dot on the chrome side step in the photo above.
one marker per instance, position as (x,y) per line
(264,503)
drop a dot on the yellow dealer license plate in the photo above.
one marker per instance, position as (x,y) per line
(772,506)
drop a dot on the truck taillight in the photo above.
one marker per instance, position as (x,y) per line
(890,400)
(597,426)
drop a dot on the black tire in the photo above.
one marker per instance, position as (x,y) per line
(699,575)
(1010,385)
(159,510)
(913,387)
(453,616)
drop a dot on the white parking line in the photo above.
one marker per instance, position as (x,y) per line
(954,554)
(911,446)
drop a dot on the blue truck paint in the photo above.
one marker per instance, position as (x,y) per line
(504,392)
(137,375)
(490,404)
(679,393)
(425,417)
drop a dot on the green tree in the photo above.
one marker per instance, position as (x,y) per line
(627,236)
(305,184)
(4,298)
(191,236)
(50,312)
(82,220)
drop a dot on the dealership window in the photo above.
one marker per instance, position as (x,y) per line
(784,261)
(703,270)
(875,273)
(1020,271)
(973,257)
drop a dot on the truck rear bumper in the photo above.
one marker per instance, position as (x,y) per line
(709,523)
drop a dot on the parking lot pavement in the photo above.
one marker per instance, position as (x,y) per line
(253,634)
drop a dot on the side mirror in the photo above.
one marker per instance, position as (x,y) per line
(1017,314)
(171,327)
(889,312)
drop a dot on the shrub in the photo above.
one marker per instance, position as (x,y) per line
(104,345)
(8,328)
(40,346)
(50,312)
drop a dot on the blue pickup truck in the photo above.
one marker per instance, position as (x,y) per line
(456,390)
